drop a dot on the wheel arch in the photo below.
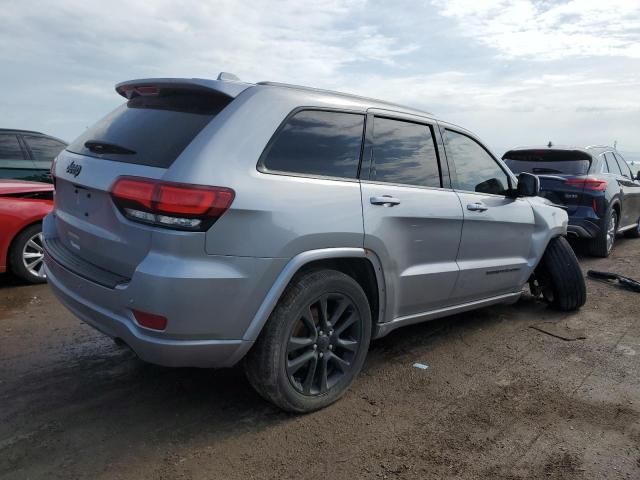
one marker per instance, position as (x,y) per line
(360,264)
(616,205)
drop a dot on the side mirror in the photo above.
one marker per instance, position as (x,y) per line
(638,176)
(528,185)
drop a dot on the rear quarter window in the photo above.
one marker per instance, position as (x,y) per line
(10,148)
(624,167)
(614,167)
(153,130)
(316,143)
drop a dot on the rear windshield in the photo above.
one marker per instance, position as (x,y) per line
(150,130)
(560,162)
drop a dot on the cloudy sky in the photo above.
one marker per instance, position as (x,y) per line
(515,72)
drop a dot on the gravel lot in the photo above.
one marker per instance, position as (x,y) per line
(499,400)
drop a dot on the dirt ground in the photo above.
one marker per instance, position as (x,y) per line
(499,400)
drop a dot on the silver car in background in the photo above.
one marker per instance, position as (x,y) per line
(204,222)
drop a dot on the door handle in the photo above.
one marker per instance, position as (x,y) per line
(477,207)
(385,200)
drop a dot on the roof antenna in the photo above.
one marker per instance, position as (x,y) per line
(615,144)
(550,144)
(228,77)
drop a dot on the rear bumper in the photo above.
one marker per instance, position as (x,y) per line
(153,349)
(208,311)
(578,231)
(161,351)
(587,226)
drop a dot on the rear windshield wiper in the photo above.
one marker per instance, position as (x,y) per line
(545,170)
(96,146)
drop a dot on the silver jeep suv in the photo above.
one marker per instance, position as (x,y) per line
(204,222)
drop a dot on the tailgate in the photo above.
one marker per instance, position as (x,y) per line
(141,138)
(87,222)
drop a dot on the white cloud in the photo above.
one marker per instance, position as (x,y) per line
(509,70)
(259,39)
(548,30)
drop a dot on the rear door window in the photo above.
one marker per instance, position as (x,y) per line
(404,153)
(43,149)
(316,143)
(151,130)
(10,148)
(476,170)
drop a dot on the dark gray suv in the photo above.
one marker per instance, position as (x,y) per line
(27,155)
(208,221)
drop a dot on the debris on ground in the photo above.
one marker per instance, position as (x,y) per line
(559,331)
(615,279)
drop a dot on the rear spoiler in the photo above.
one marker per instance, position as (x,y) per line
(150,86)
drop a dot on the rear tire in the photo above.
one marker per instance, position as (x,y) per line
(560,277)
(26,255)
(602,245)
(303,359)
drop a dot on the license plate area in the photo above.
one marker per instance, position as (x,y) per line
(84,201)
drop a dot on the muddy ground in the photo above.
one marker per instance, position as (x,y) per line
(499,400)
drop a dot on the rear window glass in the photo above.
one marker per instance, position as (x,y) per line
(548,162)
(43,149)
(317,142)
(151,130)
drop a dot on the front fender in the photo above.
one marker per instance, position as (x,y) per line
(549,222)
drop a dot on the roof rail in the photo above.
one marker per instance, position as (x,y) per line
(341,94)
(598,146)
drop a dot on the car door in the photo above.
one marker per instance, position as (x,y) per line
(412,217)
(43,150)
(497,231)
(630,193)
(14,161)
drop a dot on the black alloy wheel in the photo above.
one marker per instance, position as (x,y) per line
(323,344)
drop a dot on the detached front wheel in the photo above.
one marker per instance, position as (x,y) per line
(559,278)
(314,343)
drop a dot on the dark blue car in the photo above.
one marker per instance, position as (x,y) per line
(594,184)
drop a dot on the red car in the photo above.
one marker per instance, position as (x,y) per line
(23,205)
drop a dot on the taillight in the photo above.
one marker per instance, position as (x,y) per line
(149,320)
(588,183)
(172,205)
(129,91)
